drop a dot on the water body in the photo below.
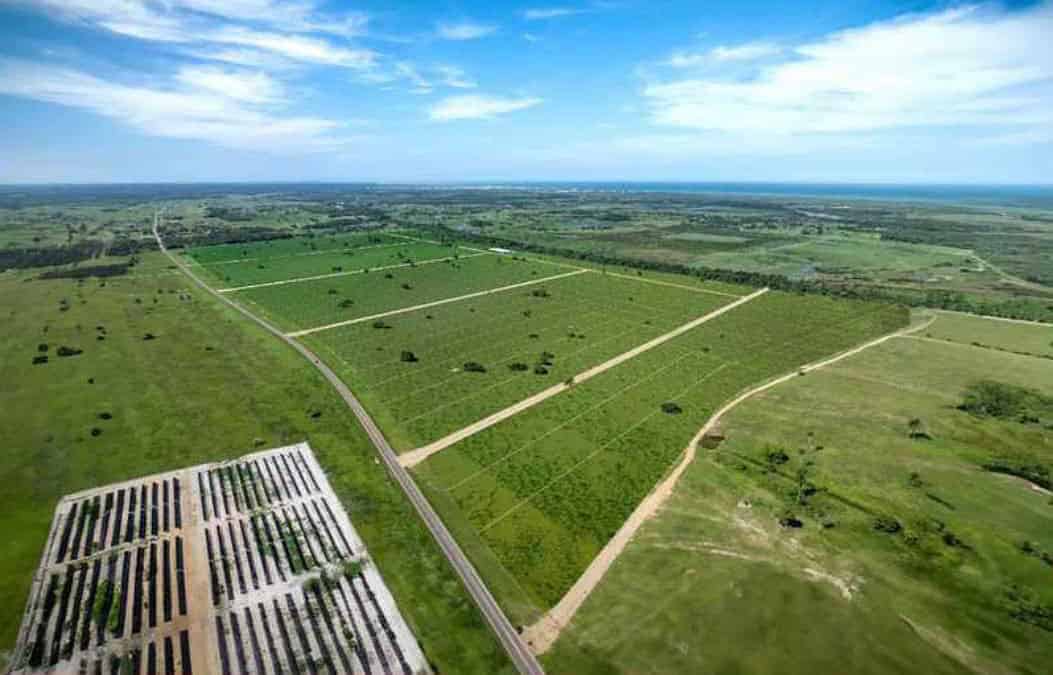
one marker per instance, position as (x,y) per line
(1019,195)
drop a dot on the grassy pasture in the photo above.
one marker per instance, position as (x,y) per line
(581,321)
(1033,339)
(313,303)
(282,248)
(209,386)
(714,570)
(232,274)
(543,491)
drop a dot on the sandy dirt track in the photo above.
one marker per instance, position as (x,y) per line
(542,634)
(414,457)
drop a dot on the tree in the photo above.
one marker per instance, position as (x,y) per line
(408,356)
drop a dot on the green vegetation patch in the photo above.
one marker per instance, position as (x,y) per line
(207,387)
(313,303)
(907,555)
(546,489)
(414,374)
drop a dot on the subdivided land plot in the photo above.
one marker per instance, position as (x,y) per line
(248,566)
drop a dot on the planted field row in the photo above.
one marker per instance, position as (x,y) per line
(332,626)
(324,301)
(283,248)
(124,594)
(118,517)
(270,547)
(413,374)
(245,486)
(546,489)
(172,657)
(347,261)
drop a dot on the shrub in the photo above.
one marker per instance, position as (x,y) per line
(346,303)
(887,525)
(540,370)
(68,351)
(37,360)
(408,357)
(777,456)
(380,325)
(149,336)
(671,408)
(518,367)
(474,367)
(42,347)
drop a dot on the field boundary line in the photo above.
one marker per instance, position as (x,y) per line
(415,457)
(364,270)
(541,635)
(436,303)
(672,285)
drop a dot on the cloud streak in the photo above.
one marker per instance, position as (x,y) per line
(464,30)
(477,107)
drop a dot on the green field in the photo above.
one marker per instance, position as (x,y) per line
(538,495)
(579,321)
(910,558)
(207,386)
(273,249)
(309,304)
(1021,338)
(248,271)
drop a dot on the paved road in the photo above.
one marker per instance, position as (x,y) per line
(517,650)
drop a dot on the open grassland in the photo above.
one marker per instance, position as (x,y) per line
(314,303)
(166,378)
(535,497)
(525,340)
(288,247)
(1026,339)
(240,273)
(909,556)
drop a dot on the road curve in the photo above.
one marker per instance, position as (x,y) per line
(521,656)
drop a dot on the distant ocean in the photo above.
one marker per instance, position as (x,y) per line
(1030,195)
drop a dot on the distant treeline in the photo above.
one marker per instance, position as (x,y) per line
(114,270)
(242,235)
(50,256)
(1031,309)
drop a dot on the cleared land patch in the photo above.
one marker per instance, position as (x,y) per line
(1023,338)
(326,301)
(539,494)
(413,372)
(909,555)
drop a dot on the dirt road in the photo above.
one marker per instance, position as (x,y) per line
(543,633)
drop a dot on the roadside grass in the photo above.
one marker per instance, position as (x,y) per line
(952,590)
(207,386)
(526,339)
(314,303)
(546,489)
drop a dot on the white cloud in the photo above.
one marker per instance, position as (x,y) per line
(250,87)
(195,110)
(966,66)
(453,76)
(298,48)
(750,51)
(530,37)
(542,13)
(464,30)
(476,107)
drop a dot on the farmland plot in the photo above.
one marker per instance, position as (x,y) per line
(543,491)
(293,246)
(240,273)
(412,373)
(324,301)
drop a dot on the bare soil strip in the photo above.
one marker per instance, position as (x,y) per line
(414,308)
(672,285)
(541,635)
(414,457)
(330,275)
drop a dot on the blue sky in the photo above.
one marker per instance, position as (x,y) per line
(243,90)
